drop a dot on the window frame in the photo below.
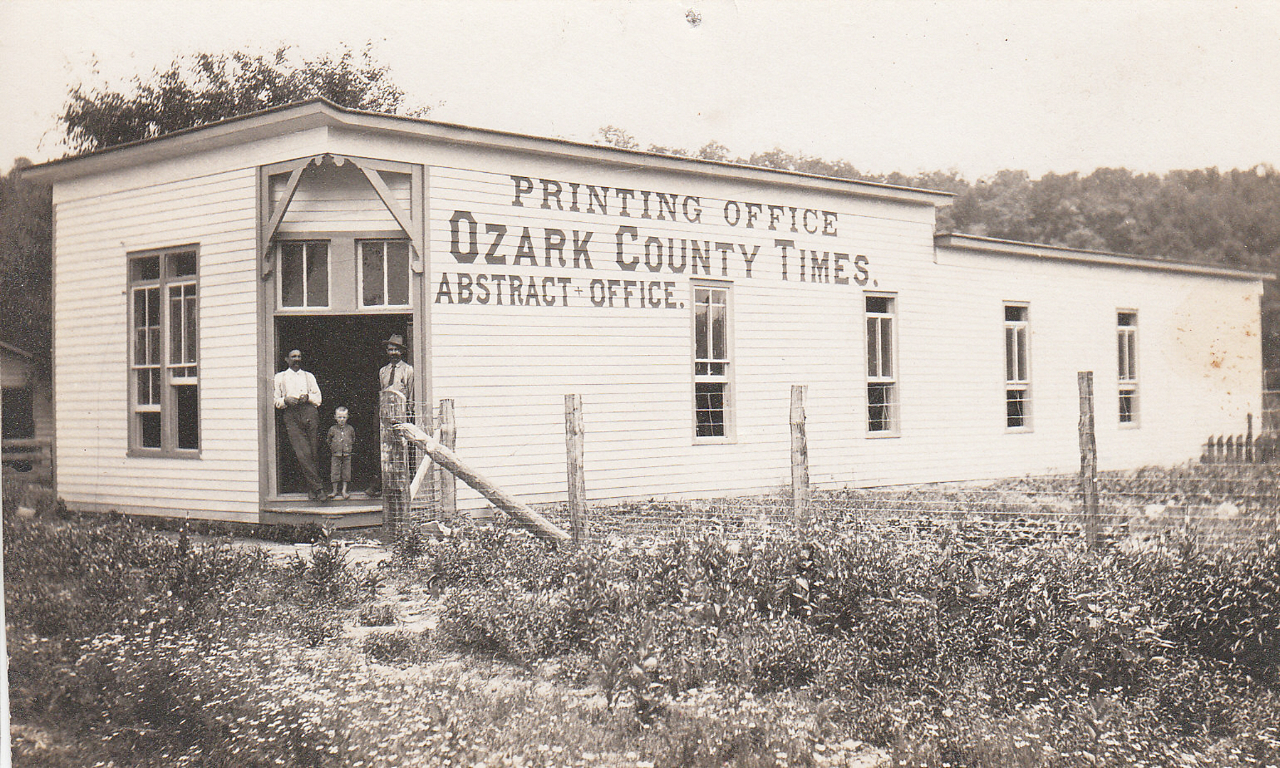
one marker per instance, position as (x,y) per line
(171,374)
(1127,341)
(408,273)
(893,379)
(305,242)
(1012,383)
(727,378)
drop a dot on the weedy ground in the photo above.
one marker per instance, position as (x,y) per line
(838,646)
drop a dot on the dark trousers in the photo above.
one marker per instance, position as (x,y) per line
(302,422)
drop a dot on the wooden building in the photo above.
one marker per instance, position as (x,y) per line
(26,413)
(680,298)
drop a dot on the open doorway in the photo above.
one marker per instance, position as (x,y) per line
(344,352)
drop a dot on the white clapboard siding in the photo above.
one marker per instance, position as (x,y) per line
(217,214)
(508,367)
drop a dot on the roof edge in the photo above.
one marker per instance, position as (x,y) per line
(322,112)
(1059,253)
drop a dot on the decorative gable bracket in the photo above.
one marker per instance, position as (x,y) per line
(272,214)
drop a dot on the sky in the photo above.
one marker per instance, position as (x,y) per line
(891,85)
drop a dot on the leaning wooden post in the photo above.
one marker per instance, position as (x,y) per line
(1088,459)
(531,520)
(449,439)
(799,458)
(574,451)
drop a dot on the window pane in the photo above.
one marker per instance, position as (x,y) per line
(182,264)
(719,346)
(145,268)
(291,274)
(149,429)
(176,316)
(886,347)
(709,409)
(1016,401)
(153,307)
(1021,339)
(879,304)
(317,274)
(139,308)
(398,272)
(1009,355)
(140,346)
(873,346)
(1015,314)
(187,402)
(700,331)
(191,305)
(1126,407)
(881,400)
(371,274)
(1133,355)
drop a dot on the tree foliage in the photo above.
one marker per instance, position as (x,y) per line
(203,88)
(26,231)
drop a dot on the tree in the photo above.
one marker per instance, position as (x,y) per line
(26,231)
(614,136)
(203,88)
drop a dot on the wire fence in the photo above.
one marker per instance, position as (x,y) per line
(1224,503)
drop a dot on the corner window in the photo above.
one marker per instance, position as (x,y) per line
(882,355)
(711,392)
(1017,367)
(304,273)
(1127,365)
(164,398)
(384,273)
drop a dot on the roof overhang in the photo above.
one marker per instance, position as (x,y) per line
(318,113)
(1014,248)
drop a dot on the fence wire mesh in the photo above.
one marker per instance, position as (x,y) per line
(1229,502)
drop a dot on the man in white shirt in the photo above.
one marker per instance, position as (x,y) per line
(297,395)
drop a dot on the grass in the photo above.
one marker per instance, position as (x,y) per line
(133,648)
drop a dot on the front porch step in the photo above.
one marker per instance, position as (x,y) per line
(336,513)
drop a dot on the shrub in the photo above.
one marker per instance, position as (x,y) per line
(398,647)
(379,615)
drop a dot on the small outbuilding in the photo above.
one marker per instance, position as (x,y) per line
(26,413)
(681,299)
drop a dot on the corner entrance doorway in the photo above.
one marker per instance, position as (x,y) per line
(344,352)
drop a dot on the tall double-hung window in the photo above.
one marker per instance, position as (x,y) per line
(1127,366)
(712,405)
(882,361)
(1017,367)
(164,339)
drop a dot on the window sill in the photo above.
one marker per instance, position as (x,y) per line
(1018,430)
(882,434)
(730,440)
(157,453)
(1129,425)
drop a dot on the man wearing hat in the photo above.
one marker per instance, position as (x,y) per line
(395,382)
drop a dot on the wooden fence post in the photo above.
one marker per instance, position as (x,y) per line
(574,451)
(449,438)
(799,458)
(1088,459)
(1248,440)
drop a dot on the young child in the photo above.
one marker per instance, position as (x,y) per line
(342,440)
